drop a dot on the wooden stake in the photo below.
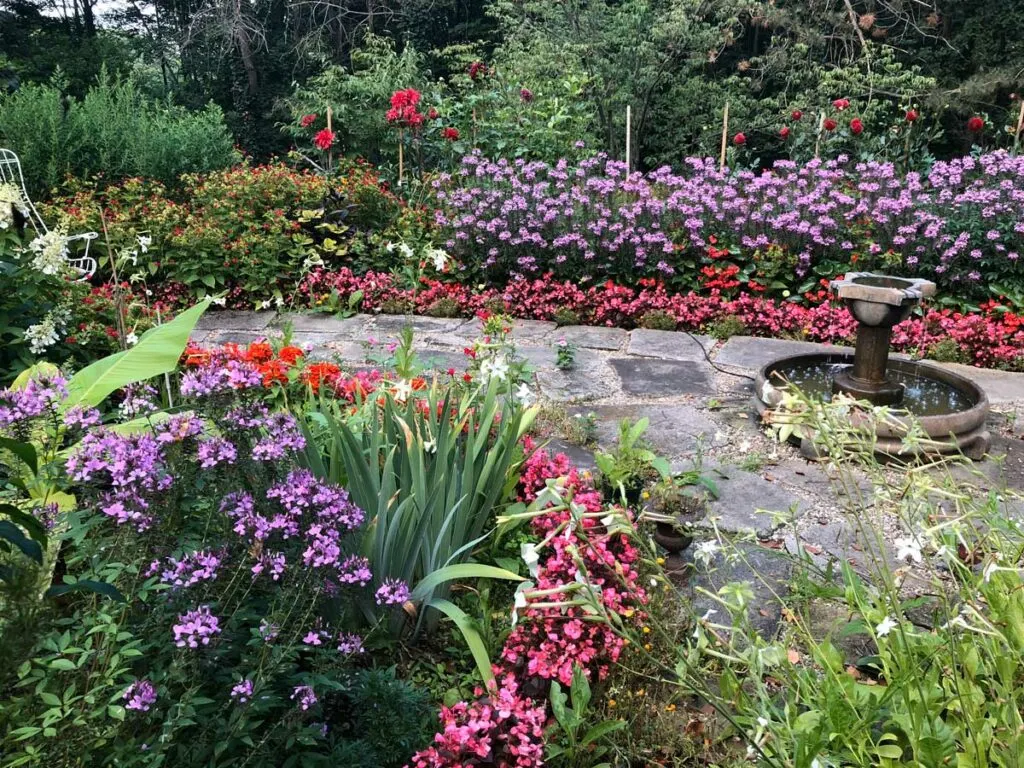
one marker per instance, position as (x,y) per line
(401,166)
(817,139)
(330,152)
(1020,122)
(629,134)
(725,137)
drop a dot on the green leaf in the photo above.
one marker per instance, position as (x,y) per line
(26,520)
(469,634)
(24,451)
(65,665)
(87,585)
(157,352)
(12,533)
(460,571)
(602,729)
(558,709)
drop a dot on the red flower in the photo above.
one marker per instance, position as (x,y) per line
(841,104)
(324,140)
(290,354)
(403,108)
(433,114)
(975,124)
(830,124)
(307,120)
(856,126)
(450,133)
(784,132)
(739,139)
(476,69)
(409,97)
(911,115)
(526,95)
(796,114)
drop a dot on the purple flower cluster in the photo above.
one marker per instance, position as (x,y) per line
(80,417)
(522,218)
(242,691)
(195,628)
(282,436)
(214,451)
(272,562)
(37,398)
(392,592)
(350,644)
(129,468)
(191,569)
(233,376)
(179,428)
(138,400)
(305,695)
(141,695)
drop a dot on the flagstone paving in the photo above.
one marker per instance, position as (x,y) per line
(696,393)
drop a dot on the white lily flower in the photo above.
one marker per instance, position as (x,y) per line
(706,552)
(402,390)
(528,551)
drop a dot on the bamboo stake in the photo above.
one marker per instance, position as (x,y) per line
(401,158)
(1020,122)
(629,134)
(817,139)
(330,150)
(725,137)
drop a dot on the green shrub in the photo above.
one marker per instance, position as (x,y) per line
(114,131)
(948,351)
(444,307)
(566,316)
(726,327)
(658,320)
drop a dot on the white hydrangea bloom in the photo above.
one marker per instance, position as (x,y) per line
(51,252)
(42,335)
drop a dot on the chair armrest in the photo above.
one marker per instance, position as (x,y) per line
(88,236)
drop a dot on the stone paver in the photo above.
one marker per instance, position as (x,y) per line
(305,322)
(234,320)
(532,331)
(1000,386)
(752,353)
(591,337)
(668,345)
(591,379)
(749,503)
(673,430)
(385,325)
(660,378)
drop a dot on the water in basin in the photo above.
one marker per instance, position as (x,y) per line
(922,395)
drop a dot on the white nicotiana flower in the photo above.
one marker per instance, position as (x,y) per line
(313,260)
(406,250)
(430,446)
(390,247)
(706,551)
(494,367)
(51,252)
(144,242)
(524,395)
(265,304)
(278,302)
(518,604)
(402,390)
(528,551)
(131,339)
(908,548)
(438,257)
(887,625)
(221,302)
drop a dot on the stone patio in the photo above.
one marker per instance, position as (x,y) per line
(695,391)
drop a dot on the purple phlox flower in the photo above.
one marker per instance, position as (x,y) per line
(269,631)
(179,428)
(349,643)
(305,696)
(232,376)
(242,691)
(191,569)
(38,397)
(196,628)
(141,695)
(282,435)
(392,592)
(81,417)
(138,400)
(215,450)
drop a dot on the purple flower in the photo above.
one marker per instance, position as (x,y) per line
(191,569)
(269,631)
(355,570)
(138,400)
(282,435)
(233,376)
(305,695)
(242,691)
(141,695)
(215,450)
(80,417)
(195,628)
(350,644)
(392,592)
(38,397)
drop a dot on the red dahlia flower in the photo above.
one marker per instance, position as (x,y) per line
(784,132)
(526,95)
(830,124)
(911,115)
(841,104)
(433,114)
(307,120)
(476,69)
(451,134)
(739,139)
(796,114)
(324,140)
(856,126)
(975,124)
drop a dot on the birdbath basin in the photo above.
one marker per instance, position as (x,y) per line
(877,303)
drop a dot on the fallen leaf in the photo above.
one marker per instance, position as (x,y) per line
(813,549)
(794,656)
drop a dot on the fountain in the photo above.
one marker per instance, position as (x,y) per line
(950,409)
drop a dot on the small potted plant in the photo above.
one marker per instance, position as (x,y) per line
(628,469)
(674,508)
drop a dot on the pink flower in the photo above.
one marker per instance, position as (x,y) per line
(307,120)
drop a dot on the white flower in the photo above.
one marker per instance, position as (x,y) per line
(402,390)
(430,446)
(221,302)
(887,625)
(494,367)
(438,257)
(406,251)
(131,339)
(278,301)
(10,199)
(528,551)
(313,260)
(706,551)
(518,603)
(908,548)
(524,395)
(265,304)
(41,335)
(144,242)
(51,252)
(390,247)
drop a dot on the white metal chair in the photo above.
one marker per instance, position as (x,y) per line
(82,264)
